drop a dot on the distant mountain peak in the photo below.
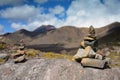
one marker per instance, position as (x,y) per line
(116,22)
(6,34)
(44,28)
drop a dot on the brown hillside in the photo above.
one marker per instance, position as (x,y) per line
(67,37)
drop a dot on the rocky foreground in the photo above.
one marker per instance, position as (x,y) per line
(54,69)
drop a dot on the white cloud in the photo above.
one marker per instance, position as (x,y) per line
(37,22)
(112,6)
(11,2)
(93,12)
(40,1)
(1,29)
(30,26)
(80,13)
(18,26)
(57,10)
(40,19)
(20,12)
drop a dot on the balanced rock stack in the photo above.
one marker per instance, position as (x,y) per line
(90,40)
(87,53)
(20,55)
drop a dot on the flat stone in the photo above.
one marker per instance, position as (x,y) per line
(20,59)
(93,62)
(98,56)
(83,53)
(90,52)
(80,54)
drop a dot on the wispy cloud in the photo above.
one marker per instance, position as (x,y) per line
(40,1)
(93,12)
(39,19)
(57,10)
(20,12)
(80,13)
(11,2)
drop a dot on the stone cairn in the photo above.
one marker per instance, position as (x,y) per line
(88,55)
(20,55)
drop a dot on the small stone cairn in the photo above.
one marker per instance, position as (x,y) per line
(88,54)
(20,55)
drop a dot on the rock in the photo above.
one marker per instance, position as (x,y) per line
(93,62)
(91,31)
(20,59)
(54,69)
(90,52)
(3,57)
(83,53)
(98,56)
(80,54)
(19,56)
(89,38)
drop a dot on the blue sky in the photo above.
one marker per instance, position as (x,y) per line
(30,14)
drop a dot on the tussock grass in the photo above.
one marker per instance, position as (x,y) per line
(2,46)
(51,55)
(32,52)
(2,61)
(115,57)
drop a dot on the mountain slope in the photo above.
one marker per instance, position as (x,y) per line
(110,34)
(43,29)
(70,37)
(27,36)
(15,37)
(64,37)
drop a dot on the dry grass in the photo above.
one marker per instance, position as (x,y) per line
(115,57)
(2,61)
(32,52)
(2,46)
(51,55)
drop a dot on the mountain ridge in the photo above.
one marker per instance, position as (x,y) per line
(65,37)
